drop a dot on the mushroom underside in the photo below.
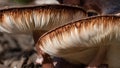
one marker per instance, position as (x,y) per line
(79,42)
(43,17)
(77,55)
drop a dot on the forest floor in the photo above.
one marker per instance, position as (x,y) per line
(17,51)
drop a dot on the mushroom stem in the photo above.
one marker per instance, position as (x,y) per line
(47,61)
(37,34)
(100,56)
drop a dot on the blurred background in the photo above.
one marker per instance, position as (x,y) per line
(15,2)
(17,51)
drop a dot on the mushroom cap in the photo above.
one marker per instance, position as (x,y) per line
(41,17)
(118,14)
(46,2)
(79,41)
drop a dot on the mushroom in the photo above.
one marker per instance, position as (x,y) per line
(118,14)
(85,41)
(46,2)
(38,18)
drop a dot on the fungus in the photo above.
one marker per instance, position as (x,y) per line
(85,41)
(38,18)
(46,2)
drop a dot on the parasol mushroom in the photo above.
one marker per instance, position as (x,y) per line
(35,18)
(83,40)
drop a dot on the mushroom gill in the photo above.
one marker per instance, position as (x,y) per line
(43,17)
(79,41)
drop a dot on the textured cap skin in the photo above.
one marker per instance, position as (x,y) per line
(78,42)
(42,17)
